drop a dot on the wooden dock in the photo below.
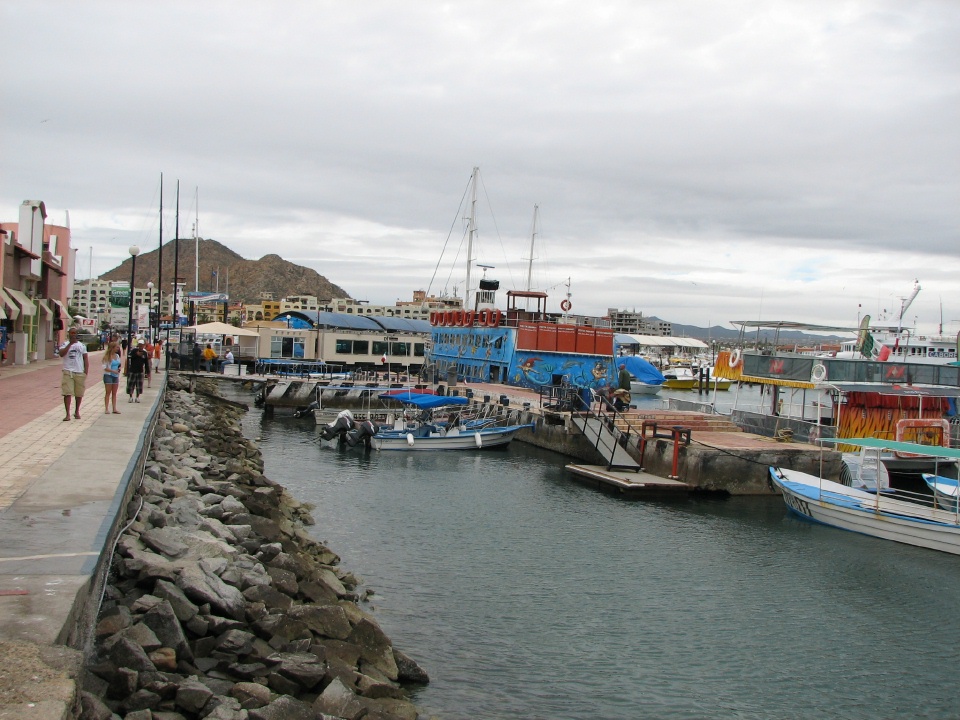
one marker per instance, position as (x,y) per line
(629,482)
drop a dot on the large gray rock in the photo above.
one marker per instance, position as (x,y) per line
(338,700)
(169,541)
(283,708)
(204,587)
(327,621)
(182,607)
(375,647)
(126,653)
(163,621)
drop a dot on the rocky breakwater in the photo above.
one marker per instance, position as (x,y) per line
(221,606)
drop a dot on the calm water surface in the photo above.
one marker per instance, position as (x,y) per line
(526,595)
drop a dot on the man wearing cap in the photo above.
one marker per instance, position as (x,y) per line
(76,364)
(138,364)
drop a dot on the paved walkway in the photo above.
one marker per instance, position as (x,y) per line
(61,486)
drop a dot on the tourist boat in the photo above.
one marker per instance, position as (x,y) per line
(896,343)
(443,424)
(522,345)
(944,489)
(903,517)
(645,379)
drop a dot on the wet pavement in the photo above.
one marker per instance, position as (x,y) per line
(61,486)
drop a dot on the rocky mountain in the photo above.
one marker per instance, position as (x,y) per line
(223,270)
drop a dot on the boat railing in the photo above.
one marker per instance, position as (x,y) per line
(900,502)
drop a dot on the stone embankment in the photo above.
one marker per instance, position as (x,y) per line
(220,605)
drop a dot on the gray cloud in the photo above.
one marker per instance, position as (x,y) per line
(697,161)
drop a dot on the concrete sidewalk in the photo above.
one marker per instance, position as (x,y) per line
(62,486)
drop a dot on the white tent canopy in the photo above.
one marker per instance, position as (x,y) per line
(219,328)
(660,341)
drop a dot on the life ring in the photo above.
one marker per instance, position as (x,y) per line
(736,357)
(494,318)
(819,372)
(448,318)
(433,317)
(468,317)
(565,305)
(484,318)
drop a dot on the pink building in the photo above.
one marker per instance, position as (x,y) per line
(36,279)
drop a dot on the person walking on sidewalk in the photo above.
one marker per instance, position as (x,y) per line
(111,376)
(155,357)
(76,364)
(138,363)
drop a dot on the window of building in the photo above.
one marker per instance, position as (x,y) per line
(286,347)
(361,347)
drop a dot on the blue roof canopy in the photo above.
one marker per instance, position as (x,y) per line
(425,402)
(641,369)
(311,319)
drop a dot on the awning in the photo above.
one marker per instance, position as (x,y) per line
(658,341)
(14,311)
(26,304)
(45,308)
(64,315)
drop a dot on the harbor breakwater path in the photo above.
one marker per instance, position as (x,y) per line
(220,604)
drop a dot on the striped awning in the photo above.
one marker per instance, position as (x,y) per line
(26,304)
(10,305)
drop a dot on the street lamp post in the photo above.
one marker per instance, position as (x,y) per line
(150,312)
(134,251)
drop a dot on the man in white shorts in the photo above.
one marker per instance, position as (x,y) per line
(76,364)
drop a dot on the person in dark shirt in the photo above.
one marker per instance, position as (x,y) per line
(138,364)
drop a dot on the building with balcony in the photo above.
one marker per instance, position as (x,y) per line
(36,277)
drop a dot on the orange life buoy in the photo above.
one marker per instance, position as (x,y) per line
(444,319)
(484,318)
(458,317)
(451,317)
(494,318)
(565,305)
(433,317)
(469,317)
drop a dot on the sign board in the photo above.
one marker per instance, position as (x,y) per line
(199,297)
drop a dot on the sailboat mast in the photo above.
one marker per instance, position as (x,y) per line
(533,239)
(160,261)
(196,242)
(176,262)
(473,229)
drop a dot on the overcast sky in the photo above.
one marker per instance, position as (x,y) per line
(695,160)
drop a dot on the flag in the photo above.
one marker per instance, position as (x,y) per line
(383,359)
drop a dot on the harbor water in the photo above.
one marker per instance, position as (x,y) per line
(526,595)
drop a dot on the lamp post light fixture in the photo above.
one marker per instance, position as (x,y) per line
(134,250)
(150,312)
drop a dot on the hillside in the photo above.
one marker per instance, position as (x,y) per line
(246,278)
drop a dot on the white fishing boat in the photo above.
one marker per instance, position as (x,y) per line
(945,489)
(442,424)
(645,379)
(903,517)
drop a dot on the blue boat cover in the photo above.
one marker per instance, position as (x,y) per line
(425,402)
(641,369)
